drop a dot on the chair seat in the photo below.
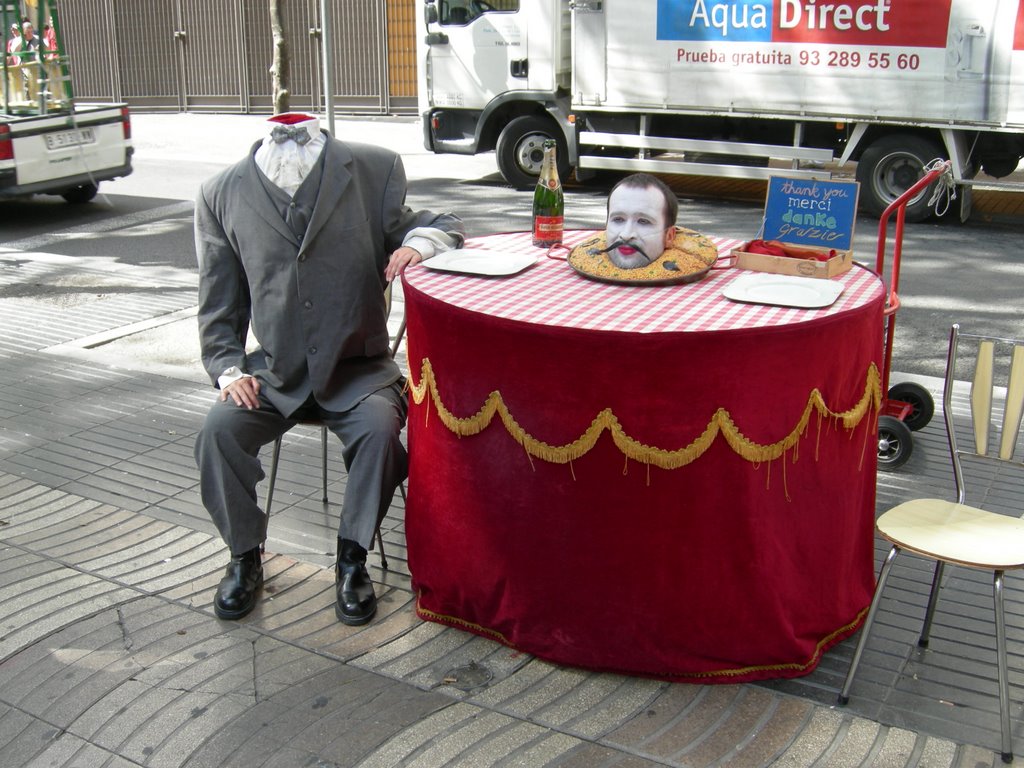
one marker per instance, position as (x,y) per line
(956,533)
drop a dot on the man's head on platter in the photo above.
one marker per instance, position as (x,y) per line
(642,213)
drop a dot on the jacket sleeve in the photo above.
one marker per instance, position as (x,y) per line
(399,219)
(224,305)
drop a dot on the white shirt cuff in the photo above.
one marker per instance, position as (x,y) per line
(430,241)
(230,376)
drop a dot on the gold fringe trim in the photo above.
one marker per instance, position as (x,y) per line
(453,621)
(824,643)
(721,423)
(733,672)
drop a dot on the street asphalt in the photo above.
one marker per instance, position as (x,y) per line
(111,656)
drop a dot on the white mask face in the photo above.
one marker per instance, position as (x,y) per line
(636,217)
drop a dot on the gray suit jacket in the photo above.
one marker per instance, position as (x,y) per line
(314,302)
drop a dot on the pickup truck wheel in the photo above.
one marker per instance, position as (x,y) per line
(80,194)
(520,150)
(889,167)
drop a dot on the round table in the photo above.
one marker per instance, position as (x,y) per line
(649,480)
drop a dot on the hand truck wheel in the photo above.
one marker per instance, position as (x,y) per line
(919,399)
(895,443)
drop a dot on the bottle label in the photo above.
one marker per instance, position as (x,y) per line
(548,229)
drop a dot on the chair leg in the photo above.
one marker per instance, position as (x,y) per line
(380,538)
(844,695)
(398,338)
(380,548)
(933,599)
(323,461)
(273,475)
(1004,683)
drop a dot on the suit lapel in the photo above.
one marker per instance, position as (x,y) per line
(335,179)
(256,197)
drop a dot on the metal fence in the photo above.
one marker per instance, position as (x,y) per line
(215,55)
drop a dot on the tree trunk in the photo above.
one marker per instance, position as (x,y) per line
(279,70)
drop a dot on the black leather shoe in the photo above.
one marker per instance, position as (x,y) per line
(356,601)
(236,593)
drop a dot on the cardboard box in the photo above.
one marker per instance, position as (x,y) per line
(811,214)
(783,265)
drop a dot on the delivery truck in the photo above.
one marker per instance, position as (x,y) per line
(49,143)
(733,88)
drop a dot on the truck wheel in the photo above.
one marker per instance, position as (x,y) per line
(80,194)
(891,166)
(520,150)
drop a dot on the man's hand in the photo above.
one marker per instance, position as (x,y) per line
(401,259)
(243,392)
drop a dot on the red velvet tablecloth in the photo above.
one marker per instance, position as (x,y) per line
(650,480)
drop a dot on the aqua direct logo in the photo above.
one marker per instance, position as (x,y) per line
(715,21)
(853,22)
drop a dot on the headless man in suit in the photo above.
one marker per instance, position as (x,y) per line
(298,241)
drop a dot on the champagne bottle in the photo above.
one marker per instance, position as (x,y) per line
(548,202)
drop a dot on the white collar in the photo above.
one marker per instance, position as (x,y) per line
(287,164)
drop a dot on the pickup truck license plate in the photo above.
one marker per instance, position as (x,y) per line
(72,138)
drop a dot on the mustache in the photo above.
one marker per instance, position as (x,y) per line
(638,247)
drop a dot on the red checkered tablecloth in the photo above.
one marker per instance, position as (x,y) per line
(552,293)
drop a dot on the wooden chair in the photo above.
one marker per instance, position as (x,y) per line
(953,532)
(275,455)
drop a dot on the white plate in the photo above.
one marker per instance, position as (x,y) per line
(783,290)
(480,261)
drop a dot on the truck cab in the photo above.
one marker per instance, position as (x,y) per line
(495,76)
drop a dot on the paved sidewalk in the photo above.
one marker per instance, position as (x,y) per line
(110,655)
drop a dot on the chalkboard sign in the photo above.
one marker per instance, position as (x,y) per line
(811,212)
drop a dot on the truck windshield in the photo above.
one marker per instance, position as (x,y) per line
(35,69)
(458,13)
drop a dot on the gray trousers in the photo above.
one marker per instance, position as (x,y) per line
(227,454)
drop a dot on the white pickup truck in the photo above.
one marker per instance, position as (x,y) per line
(48,143)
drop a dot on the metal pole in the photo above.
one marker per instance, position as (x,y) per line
(328,57)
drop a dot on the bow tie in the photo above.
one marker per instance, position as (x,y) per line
(297,133)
